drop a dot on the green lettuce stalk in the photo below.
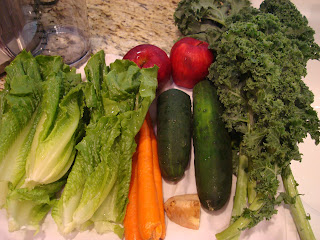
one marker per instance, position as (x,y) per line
(41,108)
(55,137)
(118,97)
(58,126)
(19,102)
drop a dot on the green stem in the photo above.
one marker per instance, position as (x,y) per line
(240,198)
(3,193)
(251,186)
(235,228)
(297,210)
(251,182)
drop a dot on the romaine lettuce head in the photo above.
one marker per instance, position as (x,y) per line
(53,147)
(18,109)
(40,124)
(97,188)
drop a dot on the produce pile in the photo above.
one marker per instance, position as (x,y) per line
(88,151)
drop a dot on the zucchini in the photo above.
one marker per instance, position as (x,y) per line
(212,148)
(174,133)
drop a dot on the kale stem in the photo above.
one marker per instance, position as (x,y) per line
(235,228)
(251,182)
(251,186)
(297,209)
(240,198)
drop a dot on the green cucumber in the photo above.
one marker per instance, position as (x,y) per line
(212,148)
(174,133)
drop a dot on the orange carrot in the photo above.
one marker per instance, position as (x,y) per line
(148,207)
(131,229)
(157,176)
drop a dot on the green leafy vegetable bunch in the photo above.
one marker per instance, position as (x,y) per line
(258,74)
(96,194)
(40,123)
(60,134)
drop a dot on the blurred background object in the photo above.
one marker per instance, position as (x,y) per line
(66,30)
(58,27)
(19,29)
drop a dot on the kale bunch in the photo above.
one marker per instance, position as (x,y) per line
(258,73)
(208,19)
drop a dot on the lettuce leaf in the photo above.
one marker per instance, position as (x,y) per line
(27,208)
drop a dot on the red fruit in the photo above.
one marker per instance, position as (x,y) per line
(190,60)
(146,56)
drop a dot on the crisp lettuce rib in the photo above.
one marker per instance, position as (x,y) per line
(12,167)
(57,131)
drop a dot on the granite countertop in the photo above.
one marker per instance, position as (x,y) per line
(118,26)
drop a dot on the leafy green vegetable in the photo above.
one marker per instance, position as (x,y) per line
(60,113)
(206,19)
(27,208)
(296,207)
(42,123)
(96,192)
(19,102)
(295,26)
(258,74)
(40,114)
(55,135)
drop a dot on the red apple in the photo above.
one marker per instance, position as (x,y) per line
(147,55)
(190,60)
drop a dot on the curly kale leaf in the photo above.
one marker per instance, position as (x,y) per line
(206,19)
(295,26)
